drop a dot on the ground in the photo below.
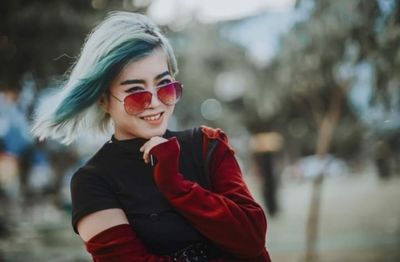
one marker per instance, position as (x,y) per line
(360,221)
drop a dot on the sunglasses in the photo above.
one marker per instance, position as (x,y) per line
(135,103)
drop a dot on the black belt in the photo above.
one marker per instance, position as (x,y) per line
(199,252)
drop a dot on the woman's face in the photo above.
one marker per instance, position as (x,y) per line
(145,74)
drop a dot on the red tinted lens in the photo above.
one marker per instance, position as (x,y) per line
(137,102)
(170,93)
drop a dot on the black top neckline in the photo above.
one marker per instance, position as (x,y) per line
(131,145)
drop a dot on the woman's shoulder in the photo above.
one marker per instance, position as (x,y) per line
(210,133)
(90,182)
(87,173)
(95,162)
(91,170)
(213,133)
(203,131)
(206,131)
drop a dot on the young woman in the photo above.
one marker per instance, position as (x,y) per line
(142,197)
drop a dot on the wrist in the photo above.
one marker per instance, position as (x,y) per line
(166,170)
(167,150)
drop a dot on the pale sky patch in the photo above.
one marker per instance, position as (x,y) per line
(209,11)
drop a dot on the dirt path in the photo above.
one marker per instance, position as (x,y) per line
(360,219)
(360,222)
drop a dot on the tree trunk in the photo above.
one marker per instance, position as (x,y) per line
(325,134)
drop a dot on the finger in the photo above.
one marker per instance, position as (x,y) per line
(146,148)
(145,156)
(146,152)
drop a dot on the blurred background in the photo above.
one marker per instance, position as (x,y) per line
(308,92)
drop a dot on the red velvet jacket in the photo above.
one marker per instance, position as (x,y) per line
(227,214)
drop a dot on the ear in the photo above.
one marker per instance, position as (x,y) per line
(103,102)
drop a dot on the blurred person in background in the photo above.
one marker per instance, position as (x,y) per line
(144,196)
(16,141)
(265,146)
(382,159)
(265,166)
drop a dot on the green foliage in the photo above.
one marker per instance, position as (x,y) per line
(290,95)
(43,37)
(307,70)
(202,56)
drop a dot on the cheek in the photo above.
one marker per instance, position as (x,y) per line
(117,113)
(115,107)
(169,110)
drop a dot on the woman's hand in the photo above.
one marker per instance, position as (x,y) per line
(154,141)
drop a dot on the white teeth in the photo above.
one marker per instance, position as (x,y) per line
(152,118)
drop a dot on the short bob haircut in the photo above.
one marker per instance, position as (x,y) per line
(120,39)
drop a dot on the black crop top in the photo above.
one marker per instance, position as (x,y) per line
(117,177)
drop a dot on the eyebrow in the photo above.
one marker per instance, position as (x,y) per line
(140,81)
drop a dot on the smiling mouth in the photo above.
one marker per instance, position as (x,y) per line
(152,117)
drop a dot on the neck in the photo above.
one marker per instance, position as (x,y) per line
(123,136)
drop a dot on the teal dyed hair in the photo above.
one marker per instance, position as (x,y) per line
(121,38)
(90,89)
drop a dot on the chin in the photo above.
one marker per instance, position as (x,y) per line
(159,131)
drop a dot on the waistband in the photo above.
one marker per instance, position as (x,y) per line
(199,252)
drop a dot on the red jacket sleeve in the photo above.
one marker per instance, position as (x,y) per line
(120,244)
(228,216)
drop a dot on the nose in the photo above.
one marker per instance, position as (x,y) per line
(155,102)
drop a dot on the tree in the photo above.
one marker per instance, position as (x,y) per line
(42,38)
(313,71)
